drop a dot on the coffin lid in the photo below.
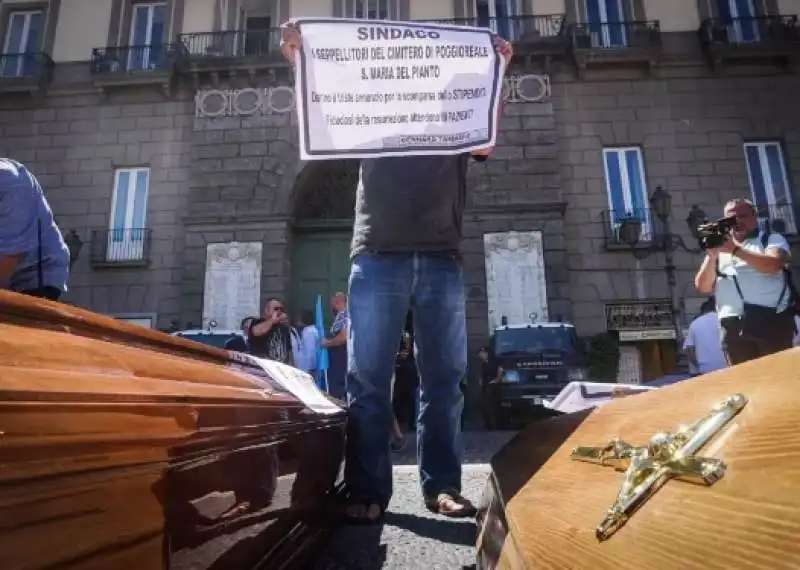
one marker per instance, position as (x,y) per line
(751,516)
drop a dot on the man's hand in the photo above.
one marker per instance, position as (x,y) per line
(504,48)
(290,41)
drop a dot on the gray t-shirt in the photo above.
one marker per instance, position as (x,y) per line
(410,204)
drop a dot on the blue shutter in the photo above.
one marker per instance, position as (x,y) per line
(756,175)
(120,207)
(637,192)
(776,172)
(139,206)
(614,23)
(593,18)
(724,11)
(615,190)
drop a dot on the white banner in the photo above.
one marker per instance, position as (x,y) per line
(368,89)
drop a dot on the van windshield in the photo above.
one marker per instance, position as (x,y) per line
(211,339)
(534,340)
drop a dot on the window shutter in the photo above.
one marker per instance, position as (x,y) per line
(404,10)
(463,9)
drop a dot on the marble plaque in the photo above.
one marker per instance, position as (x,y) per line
(233,283)
(515,281)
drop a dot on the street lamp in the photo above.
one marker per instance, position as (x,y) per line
(74,245)
(631,229)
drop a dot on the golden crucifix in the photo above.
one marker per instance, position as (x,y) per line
(667,456)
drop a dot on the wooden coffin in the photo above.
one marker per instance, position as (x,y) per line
(125,448)
(542,506)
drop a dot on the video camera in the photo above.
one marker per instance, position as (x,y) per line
(711,235)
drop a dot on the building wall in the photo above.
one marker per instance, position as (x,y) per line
(73,143)
(691,125)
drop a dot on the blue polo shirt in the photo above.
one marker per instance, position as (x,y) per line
(757,288)
(23,210)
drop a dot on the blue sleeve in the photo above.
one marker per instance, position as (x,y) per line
(19,210)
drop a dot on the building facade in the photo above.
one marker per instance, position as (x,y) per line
(157,128)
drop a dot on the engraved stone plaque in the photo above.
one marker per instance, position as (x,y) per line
(515,278)
(233,283)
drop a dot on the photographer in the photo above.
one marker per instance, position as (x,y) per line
(745,273)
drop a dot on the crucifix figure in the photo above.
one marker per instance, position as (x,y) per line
(666,456)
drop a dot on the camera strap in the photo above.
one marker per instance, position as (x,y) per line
(764,238)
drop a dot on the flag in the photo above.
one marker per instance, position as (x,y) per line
(322,353)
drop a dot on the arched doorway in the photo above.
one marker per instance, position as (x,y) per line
(323,202)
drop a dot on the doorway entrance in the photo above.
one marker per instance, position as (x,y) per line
(324,200)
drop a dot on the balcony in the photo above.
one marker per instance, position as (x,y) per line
(532,35)
(612,226)
(123,66)
(615,43)
(762,37)
(245,50)
(25,72)
(128,247)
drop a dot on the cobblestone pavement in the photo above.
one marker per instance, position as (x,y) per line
(412,537)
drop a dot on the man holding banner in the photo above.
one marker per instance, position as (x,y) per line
(406,254)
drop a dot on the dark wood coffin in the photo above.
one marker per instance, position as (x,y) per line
(543,507)
(125,448)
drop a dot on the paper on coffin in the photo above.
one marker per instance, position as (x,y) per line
(577,396)
(544,509)
(124,448)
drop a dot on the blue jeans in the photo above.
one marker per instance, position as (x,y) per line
(382,289)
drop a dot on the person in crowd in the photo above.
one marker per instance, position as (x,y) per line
(34,259)
(405,254)
(238,342)
(406,386)
(702,344)
(336,344)
(746,275)
(306,339)
(270,337)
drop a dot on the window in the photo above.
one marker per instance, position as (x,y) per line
(23,36)
(257,35)
(372,9)
(626,188)
(147,37)
(740,17)
(497,15)
(606,22)
(769,183)
(127,229)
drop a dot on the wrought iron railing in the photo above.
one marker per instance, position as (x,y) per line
(615,35)
(120,246)
(132,59)
(754,30)
(613,225)
(528,28)
(781,218)
(231,44)
(19,65)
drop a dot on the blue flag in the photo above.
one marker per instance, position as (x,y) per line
(322,353)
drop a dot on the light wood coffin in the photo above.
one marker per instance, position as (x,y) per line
(125,448)
(544,507)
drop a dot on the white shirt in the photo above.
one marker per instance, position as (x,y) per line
(310,339)
(757,288)
(705,336)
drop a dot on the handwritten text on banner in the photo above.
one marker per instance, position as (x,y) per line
(370,89)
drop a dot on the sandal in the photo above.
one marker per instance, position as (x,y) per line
(452,504)
(363,513)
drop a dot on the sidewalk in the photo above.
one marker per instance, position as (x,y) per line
(412,537)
